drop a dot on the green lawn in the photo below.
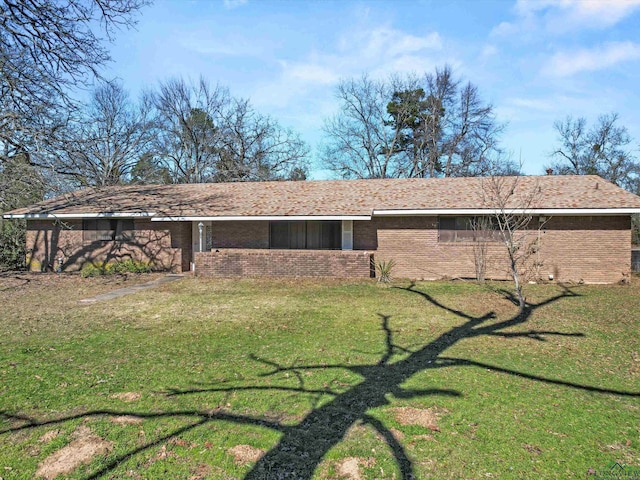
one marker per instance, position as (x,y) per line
(197,378)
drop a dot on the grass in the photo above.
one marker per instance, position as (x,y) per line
(313,373)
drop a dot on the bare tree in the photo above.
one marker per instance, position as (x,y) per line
(512,217)
(601,150)
(412,127)
(455,132)
(255,147)
(359,143)
(206,135)
(20,185)
(147,170)
(190,118)
(103,146)
(482,227)
(47,48)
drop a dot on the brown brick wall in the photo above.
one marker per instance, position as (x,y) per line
(241,234)
(283,263)
(590,249)
(159,243)
(412,243)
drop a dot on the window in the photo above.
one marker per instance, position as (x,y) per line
(311,235)
(107,229)
(467,229)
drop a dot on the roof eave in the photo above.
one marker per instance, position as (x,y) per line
(71,216)
(227,218)
(514,211)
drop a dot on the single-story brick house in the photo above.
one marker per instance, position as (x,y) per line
(334,228)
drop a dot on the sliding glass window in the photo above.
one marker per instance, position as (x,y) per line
(309,235)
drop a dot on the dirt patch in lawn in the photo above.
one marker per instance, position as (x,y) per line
(23,283)
(160,455)
(200,472)
(425,417)
(48,436)
(349,468)
(126,396)
(397,434)
(127,420)
(80,451)
(246,453)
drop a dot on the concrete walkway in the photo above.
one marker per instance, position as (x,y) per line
(121,292)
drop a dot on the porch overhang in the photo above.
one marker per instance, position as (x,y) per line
(236,218)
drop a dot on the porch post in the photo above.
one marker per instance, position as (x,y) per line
(347,234)
(200,227)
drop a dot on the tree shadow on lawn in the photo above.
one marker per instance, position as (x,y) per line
(302,446)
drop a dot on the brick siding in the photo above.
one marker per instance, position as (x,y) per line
(283,263)
(240,234)
(591,249)
(164,245)
(581,249)
(412,243)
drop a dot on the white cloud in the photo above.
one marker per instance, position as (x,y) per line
(524,109)
(562,16)
(309,72)
(489,50)
(388,42)
(565,64)
(230,4)
(405,64)
(532,103)
(580,13)
(205,43)
(505,29)
(381,50)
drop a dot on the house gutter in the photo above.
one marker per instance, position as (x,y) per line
(375,213)
(515,211)
(261,217)
(36,216)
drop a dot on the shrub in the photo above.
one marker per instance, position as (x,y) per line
(113,268)
(383,270)
(92,270)
(12,242)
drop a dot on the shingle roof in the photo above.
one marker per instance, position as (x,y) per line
(332,197)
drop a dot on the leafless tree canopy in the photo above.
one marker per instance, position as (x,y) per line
(512,218)
(105,143)
(428,126)
(47,48)
(203,135)
(256,148)
(188,134)
(601,150)
(358,140)
(20,185)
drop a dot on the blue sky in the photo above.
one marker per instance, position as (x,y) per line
(535,61)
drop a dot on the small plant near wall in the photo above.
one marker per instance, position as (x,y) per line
(113,268)
(384,269)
